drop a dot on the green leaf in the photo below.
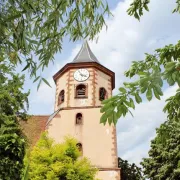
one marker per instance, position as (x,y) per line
(54,2)
(130,113)
(115,118)
(13,140)
(46,82)
(138,98)
(106,101)
(160,82)
(110,99)
(124,110)
(127,103)
(159,91)
(170,81)
(132,103)
(27,66)
(156,93)
(106,107)
(127,85)
(39,84)
(36,79)
(144,80)
(110,119)
(146,7)
(103,118)
(110,111)
(174,74)
(142,74)
(136,15)
(119,114)
(170,65)
(107,115)
(123,90)
(149,94)
(119,106)
(143,89)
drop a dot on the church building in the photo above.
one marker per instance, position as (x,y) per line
(81,86)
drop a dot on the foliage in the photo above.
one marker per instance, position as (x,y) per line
(137,6)
(164,155)
(38,28)
(162,67)
(12,108)
(59,161)
(129,171)
(26,165)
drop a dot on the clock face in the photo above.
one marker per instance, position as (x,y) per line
(81,75)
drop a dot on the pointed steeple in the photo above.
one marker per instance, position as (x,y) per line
(85,54)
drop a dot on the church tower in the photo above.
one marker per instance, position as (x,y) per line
(81,86)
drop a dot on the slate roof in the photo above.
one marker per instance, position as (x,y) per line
(85,54)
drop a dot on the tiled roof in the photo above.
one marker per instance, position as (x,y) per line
(33,127)
(85,54)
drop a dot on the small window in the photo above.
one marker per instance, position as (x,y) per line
(61,97)
(102,94)
(79,146)
(79,118)
(81,91)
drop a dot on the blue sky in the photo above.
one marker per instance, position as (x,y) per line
(125,40)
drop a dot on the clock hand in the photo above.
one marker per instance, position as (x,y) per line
(80,73)
(83,75)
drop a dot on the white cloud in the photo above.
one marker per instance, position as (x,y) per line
(126,40)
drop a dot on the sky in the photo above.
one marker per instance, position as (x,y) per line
(125,40)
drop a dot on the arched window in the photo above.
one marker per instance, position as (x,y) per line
(79,146)
(61,97)
(81,91)
(102,94)
(79,118)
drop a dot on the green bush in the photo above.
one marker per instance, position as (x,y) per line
(59,161)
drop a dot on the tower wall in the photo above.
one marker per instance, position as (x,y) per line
(96,80)
(96,138)
(98,141)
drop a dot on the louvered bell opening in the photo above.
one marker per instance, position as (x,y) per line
(81,92)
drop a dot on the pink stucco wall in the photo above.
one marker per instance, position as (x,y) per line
(99,141)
